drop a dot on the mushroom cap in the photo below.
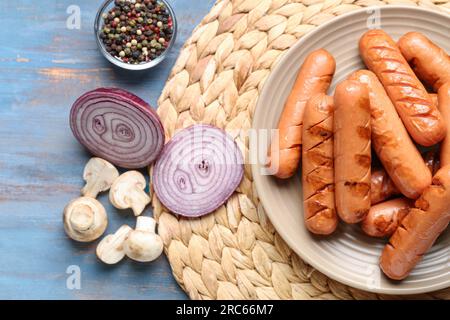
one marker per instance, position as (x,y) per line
(99,175)
(127,191)
(143,246)
(110,250)
(85,219)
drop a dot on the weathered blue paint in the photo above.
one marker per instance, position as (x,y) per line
(44,67)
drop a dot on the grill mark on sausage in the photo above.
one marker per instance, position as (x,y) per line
(320,142)
(360,189)
(416,100)
(403,73)
(384,59)
(364,132)
(326,188)
(381,47)
(327,77)
(318,123)
(324,210)
(326,162)
(363,160)
(315,207)
(402,84)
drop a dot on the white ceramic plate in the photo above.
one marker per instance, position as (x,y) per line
(347,256)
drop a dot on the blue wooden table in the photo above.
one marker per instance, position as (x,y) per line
(44,67)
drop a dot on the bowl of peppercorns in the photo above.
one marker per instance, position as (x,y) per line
(135,34)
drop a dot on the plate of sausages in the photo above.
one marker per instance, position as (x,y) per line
(354,127)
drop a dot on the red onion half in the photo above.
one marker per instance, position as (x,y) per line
(118,126)
(198,170)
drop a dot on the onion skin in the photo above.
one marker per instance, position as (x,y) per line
(197,171)
(117,126)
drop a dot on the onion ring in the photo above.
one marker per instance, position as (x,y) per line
(118,126)
(197,171)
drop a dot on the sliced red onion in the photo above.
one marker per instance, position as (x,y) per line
(198,170)
(118,126)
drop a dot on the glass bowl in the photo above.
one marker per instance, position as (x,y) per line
(109,4)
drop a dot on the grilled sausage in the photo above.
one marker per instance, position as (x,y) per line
(314,77)
(384,218)
(420,229)
(317,166)
(381,186)
(430,62)
(391,141)
(415,107)
(352,157)
(444,107)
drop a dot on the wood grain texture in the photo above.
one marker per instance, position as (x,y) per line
(44,67)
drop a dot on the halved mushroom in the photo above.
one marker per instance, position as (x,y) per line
(99,175)
(110,249)
(143,244)
(127,191)
(85,219)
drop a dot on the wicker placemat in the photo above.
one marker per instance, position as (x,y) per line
(235,253)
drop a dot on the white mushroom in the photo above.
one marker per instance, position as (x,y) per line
(128,192)
(99,175)
(143,244)
(110,249)
(85,219)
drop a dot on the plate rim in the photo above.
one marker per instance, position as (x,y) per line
(255,166)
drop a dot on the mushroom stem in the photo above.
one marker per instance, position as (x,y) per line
(127,191)
(138,200)
(82,218)
(146,224)
(85,219)
(99,175)
(110,250)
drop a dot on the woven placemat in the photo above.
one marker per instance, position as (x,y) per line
(235,252)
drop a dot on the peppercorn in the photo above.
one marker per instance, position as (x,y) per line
(136,31)
(136,54)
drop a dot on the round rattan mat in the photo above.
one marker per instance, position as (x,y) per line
(235,253)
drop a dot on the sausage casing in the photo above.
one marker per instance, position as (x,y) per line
(430,62)
(317,166)
(384,218)
(381,186)
(314,77)
(391,141)
(419,229)
(412,102)
(444,107)
(352,154)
